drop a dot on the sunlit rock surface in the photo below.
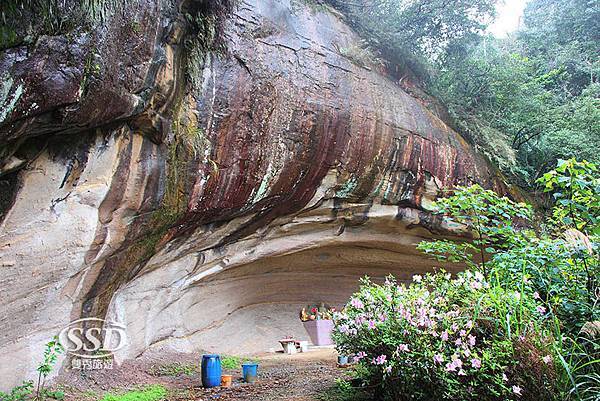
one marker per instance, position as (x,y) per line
(202,212)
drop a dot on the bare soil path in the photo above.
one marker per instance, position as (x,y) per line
(300,377)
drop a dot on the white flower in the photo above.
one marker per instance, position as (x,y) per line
(547,359)
(417,278)
(517,390)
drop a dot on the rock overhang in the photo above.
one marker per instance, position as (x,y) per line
(188,205)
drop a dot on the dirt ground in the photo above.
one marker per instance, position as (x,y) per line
(300,377)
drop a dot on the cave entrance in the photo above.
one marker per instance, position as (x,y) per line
(247,309)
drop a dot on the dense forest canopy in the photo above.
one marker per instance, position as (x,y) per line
(525,100)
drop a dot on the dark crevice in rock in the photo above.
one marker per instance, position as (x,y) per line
(9,186)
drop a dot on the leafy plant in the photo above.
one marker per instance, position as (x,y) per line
(342,390)
(557,266)
(24,392)
(150,393)
(19,393)
(489,217)
(447,339)
(51,353)
(231,362)
(575,187)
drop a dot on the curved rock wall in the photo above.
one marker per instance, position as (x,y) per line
(203,215)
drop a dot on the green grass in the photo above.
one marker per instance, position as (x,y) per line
(150,393)
(228,362)
(234,362)
(175,369)
(231,362)
(343,391)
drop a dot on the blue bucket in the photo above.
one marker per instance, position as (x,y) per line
(250,371)
(211,370)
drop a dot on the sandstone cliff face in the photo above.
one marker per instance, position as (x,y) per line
(200,198)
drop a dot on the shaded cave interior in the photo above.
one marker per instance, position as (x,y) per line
(247,309)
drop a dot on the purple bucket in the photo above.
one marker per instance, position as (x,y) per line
(319,331)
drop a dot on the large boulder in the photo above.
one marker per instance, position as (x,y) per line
(200,197)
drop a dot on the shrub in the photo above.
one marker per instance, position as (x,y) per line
(448,339)
(558,265)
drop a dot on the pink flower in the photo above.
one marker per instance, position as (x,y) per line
(450,367)
(403,348)
(458,341)
(371,324)
(476,285)
(444,336)
(463,333)
(541,310)
(517,390)
(469,325)
(547,359)
(471,339)
(476,363)
(359,356)
(357,303)
(455,364)
(438,358)
(380,360)
(536,295)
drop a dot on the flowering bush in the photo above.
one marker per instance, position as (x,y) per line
(448,339)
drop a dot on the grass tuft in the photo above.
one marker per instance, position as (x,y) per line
(150,393)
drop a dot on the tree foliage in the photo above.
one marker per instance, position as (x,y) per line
(489,217)
(534,97)
(412,33)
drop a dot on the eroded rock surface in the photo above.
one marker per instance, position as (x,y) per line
(275,175)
